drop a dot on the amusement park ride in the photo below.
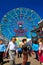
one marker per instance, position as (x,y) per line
(20,31)
(19,22)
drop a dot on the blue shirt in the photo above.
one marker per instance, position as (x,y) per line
(2,48)
(35,47)
(19,49)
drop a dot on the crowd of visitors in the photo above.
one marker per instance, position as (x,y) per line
(22,51)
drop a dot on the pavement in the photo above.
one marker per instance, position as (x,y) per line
(18,61)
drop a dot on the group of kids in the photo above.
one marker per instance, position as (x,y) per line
(36,47)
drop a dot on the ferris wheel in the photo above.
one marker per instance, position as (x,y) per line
(19,19)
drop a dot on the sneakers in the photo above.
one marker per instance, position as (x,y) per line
(41,63)
(1,63)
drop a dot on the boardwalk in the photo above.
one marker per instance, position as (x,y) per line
(18,61)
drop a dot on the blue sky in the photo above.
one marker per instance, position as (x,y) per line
(6,5)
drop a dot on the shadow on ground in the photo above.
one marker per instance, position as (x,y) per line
(5,62)
(28,63)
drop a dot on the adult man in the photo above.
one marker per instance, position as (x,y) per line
(12,49)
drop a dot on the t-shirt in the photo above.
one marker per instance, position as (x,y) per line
(24,47)
(12,46)
(35,47)
(19,49)
(25,50)
(40,46)
(2,48)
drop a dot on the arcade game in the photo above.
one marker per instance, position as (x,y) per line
(19,22)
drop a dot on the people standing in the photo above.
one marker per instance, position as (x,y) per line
(12,50)
(2,50)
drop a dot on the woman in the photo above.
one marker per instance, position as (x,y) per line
(25,52)
(41,50)
(2,50)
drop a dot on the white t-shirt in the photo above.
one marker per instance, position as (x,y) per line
(40,46)
(11,46)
